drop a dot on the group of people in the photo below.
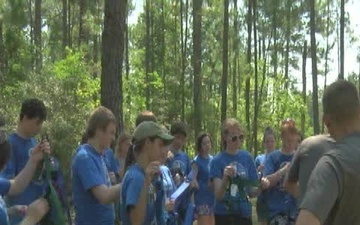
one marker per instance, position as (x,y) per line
(308,182)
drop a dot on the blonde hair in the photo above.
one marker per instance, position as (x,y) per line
(121,139)
(227,124)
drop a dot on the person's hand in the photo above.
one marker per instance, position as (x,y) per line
(37,153)
(152,170)
(17,210)
(113,179)
(229,171)
(170,205)
(37,210)
(177,179)
(170,155)
(264,183)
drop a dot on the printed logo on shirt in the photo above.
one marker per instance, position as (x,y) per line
(240,170)
(178,171)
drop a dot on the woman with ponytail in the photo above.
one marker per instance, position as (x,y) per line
(142,165)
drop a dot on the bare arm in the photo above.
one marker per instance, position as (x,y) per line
(138,212)
(106,195)
(194,183)
(276,177)
(36,211)
(23,179)
(292,188)
(220,186)
(307,218)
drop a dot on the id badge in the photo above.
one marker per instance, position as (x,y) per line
(233,190)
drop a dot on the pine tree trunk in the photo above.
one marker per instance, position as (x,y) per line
(225,65)
(64,25)
(342,28)
(314,68)
(303,114)
(247,84)
(235,60)
(113,39)
(256,94)
(37,36)
(147,54)
(2,53)
(197,64)
(83,34)
(287,51)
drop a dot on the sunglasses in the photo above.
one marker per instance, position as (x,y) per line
(235,138)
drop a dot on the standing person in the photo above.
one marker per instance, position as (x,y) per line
(138,190)
(332,195)
(130,155)
(166,187)
(204,195)
(32,115)
(93,194)
(281,204)
(179,164)
(269,142)
(121,149)
(15,186)
(229,170)
(178,161)
(304,162)
(145,116)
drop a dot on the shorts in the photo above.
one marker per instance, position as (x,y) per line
(262,211)
(204,210)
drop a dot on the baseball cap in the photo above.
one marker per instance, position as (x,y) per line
(148,129)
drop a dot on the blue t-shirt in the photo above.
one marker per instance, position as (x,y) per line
(112,164)
(166,189)
(260,160)
(245,169)
(132,186)
(179,164)
(88,171)
(277,199)
(20,152)
(203,196)
(4,189)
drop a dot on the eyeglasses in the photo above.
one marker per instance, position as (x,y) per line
(235,138)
